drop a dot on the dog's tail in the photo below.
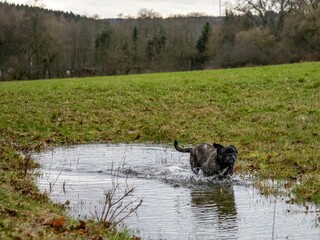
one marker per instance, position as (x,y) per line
(179,149)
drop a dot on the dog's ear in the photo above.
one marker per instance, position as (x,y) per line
(233,147)
(218,146)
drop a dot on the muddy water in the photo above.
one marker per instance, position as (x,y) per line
(176,203)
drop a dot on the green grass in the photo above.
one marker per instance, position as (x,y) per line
(272,115)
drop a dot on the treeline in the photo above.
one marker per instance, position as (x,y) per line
(40,44)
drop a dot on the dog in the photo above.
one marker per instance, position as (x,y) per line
(212,159)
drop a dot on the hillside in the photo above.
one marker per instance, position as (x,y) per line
(41,44)
(37,43)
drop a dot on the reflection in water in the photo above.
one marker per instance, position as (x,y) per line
(176,203)
(217,208)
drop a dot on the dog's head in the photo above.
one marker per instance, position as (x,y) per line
(226,156)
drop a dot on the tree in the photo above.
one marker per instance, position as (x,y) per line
(135,45)
(155,45)
(314,4)
(301,35)
(145,13)
(102,44)
(201,46)
(39,51)
(36,3)
(203,39)
(267,13)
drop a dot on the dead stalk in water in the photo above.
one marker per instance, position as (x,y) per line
(115,209)
(52,184)
(274,218)
(64,187)
(26,153)
(27,159)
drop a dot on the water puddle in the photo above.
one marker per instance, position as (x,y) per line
(176,203)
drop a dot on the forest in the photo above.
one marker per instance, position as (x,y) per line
(37,43)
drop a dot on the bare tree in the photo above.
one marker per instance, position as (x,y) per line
(145,13)
(267,13)
(36,3)
(315,4)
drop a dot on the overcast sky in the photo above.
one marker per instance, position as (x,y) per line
(112,8)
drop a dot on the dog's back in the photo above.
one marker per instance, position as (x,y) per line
(198,154)
(203,152)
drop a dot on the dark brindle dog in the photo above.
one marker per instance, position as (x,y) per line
(212,159)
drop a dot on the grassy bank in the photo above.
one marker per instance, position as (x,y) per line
(272,115)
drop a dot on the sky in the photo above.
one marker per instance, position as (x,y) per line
(112,8)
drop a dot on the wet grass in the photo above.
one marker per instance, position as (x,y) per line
(272,115)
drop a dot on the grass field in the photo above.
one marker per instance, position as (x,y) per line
(271,114)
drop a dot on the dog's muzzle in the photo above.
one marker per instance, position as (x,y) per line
(230,160)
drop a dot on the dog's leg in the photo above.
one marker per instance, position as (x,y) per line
(195,167)
(192,161)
